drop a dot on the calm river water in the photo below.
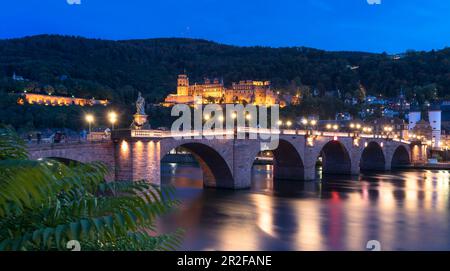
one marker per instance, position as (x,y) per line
(404,210)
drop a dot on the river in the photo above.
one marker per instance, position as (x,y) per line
(403,210)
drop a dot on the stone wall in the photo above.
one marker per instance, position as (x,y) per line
(80,152)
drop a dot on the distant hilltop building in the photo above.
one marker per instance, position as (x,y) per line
(50,100)
(214,91)
(16,77)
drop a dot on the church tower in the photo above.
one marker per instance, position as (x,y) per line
(414,116)
(183,85)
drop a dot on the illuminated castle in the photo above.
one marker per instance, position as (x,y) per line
(214,91)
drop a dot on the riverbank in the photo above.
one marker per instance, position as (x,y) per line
(441,166)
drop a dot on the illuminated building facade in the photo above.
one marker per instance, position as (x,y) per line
(429,130)
(399,128)
(50,100)
(214,91)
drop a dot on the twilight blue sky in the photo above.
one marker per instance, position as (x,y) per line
(393,26)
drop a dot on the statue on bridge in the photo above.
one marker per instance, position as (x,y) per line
(140,104)
(140,118)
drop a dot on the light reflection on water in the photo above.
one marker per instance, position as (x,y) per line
(404,210)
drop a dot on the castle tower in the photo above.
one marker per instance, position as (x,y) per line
(414,117)
(434,116)
(183,85)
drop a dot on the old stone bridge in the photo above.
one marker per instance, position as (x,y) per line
(227,163)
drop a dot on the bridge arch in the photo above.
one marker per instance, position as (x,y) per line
(372,157)
(215,169)
(64,160)
(64,155)
(335,158)
(287,162)
(83,152)
(400,157)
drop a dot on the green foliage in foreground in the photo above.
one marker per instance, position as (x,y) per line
(44,204)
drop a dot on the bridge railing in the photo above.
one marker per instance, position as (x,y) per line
(98,136)
(92,137)
(247,130)
(47,142)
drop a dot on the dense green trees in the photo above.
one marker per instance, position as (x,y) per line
(100,68)
(118,69)
(44,204)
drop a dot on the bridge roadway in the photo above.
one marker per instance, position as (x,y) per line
(227,162)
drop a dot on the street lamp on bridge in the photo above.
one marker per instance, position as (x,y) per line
(89,119)
(310,126)
(332,127)
(388,131)
(112,117)
(289,123)
(356,128)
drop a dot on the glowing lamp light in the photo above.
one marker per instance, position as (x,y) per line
(335,127)
(387,129)
(328,126)
(304,121)
(288,123)
(352,125)
(221,118)
(313,122)
(112,117)
(124,146)
(280,123)
(248,117)
(335,138)
(89,118)
(233,115)
(206,117)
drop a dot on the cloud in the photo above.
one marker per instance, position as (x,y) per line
(374,2)
(74,2)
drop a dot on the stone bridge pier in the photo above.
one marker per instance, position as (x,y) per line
(224,162)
